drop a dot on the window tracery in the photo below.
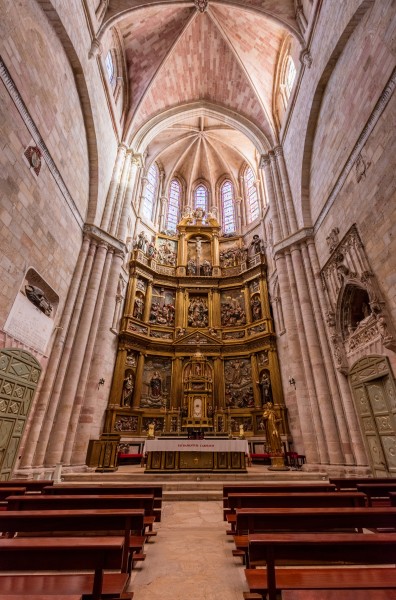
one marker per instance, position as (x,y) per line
(201,197)
(228,207)
(173,205)
(253,208)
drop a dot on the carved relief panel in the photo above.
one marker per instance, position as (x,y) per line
(238,383)
(232,308)
(162,311)
(156,383)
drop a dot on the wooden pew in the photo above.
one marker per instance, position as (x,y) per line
(46,502)
(377,493)
(349,483)
(99,489)
(371,549)
(254,520)
(31,485)
(38,597)
(315,500)
(22,555)
(338,594)
(65,521)
(273,489)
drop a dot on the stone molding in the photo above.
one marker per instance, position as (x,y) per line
(357,149)
(295,239)
(34,132)
(97,234)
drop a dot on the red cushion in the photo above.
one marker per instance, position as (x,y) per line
(121,455)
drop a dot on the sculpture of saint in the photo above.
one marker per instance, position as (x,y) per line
(155,385)
(127,391)
(265,388)
(272,431)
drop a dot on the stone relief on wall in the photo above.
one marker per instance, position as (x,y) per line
(238,383)
(156,382)
(162,310)
(38,298)
(356,315)
(232,308)
(232,256)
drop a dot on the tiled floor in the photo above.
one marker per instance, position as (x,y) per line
(190,558)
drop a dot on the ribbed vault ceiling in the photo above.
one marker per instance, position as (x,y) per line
(225,56)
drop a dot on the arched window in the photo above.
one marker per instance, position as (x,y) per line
(227,204)
(174,204)
(290,76)
(151,190)
(109,62)
(251,195)
(201,197)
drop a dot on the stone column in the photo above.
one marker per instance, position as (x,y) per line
(238,219)
(144,181)
(94,402)
(80,396)
(136,161)
(347,420)
(120,197)
(284,227)
(162,216)
(46,405)
(138,381)
(290,211)
(54,453)
(304,317)
(57,382)
(300,410)
(265,165)
(113,187)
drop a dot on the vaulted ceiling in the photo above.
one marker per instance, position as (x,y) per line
(218,53)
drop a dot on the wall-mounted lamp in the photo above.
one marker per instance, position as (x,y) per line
(292,381)
(101,382)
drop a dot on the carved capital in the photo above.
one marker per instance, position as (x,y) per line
(264,161)
(201,5)
(278,151)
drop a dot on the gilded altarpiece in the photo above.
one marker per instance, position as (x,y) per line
(200,353)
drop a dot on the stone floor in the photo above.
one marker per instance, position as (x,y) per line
(190,558)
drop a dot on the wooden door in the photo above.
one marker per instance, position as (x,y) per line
(374,392)
(19,375)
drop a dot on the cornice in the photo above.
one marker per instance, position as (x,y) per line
(101,236)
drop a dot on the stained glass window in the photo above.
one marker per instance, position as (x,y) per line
(227,202)
(110,66)
(251,194)
(290,75)
(174,204)
(150,192)
(201,197)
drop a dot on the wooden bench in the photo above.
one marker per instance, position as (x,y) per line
(254,520)
(338,594)
(124,521)
(23,555)
(38,597)
(315,500)
(377,493)
(273,489)
(99,489)
(31,485)
(349,483)
(356,548)
(6,491)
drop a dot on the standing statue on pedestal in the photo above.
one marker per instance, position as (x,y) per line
(127,391)
(271,425)
(265,388)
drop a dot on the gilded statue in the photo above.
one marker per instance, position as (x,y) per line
(271,421)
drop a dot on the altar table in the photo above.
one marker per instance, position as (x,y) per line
(196,455)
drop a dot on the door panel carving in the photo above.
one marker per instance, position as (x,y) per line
(19,375)
(374,392)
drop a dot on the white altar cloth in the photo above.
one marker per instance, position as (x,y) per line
(175,445)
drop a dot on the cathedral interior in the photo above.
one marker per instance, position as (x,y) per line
(198,221)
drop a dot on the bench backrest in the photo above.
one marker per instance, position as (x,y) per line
(313,519)
(15,491)
(46,502)
(376,490)
(63,554)
(65,521)
(32,485)
(343,483)
(326,499)
(330,547)
(86,489)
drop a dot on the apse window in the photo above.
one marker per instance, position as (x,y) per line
(251,195)
(227,202)
(110,67)
(150,192)
(201,198)
(173,206)
(290,76)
